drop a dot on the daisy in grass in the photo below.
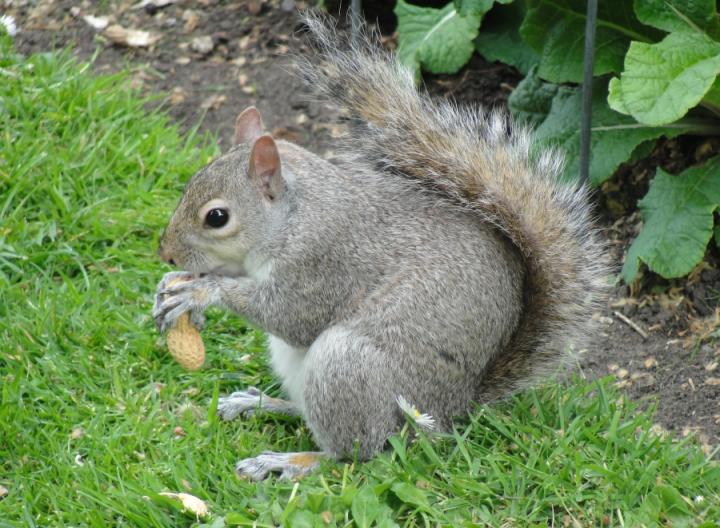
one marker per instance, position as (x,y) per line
(424,421)
(8,23)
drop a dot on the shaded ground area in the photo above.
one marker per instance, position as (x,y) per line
(211,59)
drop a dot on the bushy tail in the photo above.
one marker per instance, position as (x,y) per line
(482,162)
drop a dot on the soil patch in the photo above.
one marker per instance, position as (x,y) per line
(214,58)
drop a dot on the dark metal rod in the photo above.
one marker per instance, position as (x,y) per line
(586,115)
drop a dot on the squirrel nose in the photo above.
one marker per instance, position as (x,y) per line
(165,255)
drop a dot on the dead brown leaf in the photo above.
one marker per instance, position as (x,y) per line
(77,433)
(192,19)
(97,23)
(203,44)
(153,4)
(286,134)
(650,362)
(133,38)
(213,102)
(254,6)
(177,96)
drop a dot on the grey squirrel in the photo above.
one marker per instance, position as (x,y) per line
(438,261)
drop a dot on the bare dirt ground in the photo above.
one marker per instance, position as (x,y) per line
(213,58)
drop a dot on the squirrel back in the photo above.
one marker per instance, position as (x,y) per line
(481,162)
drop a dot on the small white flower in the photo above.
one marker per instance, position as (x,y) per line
(8,23)
(425,421)
(699,499)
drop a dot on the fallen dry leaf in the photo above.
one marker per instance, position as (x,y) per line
(286,134)
(77,433)
(133,38)
(245,42)
(254,6)
(192,19)
(97,23)
(203,44)
(190,503)
(711,366)
(213,102)
(177,95)
(650,362)
(712,381)
(41,11)
(153,4)
(3,491)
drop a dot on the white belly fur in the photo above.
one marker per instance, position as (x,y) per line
(288,363)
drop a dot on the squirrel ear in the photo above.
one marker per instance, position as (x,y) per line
(265,168)
(248,126)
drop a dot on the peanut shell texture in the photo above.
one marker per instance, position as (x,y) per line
(185,343)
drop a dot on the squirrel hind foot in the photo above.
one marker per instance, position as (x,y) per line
(288,465)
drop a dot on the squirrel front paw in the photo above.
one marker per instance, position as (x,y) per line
(179,292)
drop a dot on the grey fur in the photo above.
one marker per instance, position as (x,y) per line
(376,280)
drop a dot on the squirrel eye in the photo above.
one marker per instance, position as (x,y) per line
(217,217)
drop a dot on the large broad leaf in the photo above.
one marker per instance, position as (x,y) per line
(365,507)
(556,30)
(477,7)
(531,100)
(411,495)
(662,81)
(613,137)
(677,222)
(680,15)
(499,38)
(439,40)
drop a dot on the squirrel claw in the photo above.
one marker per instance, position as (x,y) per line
(190,294)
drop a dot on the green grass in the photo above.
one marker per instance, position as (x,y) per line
(91,401)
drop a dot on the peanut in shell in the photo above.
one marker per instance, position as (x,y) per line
(185,343)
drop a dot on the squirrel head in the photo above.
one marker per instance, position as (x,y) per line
(228,206)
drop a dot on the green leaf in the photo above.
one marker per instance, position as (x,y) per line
(679,15)
(662,81)
(385,518)
(476,7)
(556,30)
(677,222)
(237,519)
(613,137)
(531,100)
(439,40)
(499,38)
(410,495)
(302,519)
(365,507)
(672,499)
